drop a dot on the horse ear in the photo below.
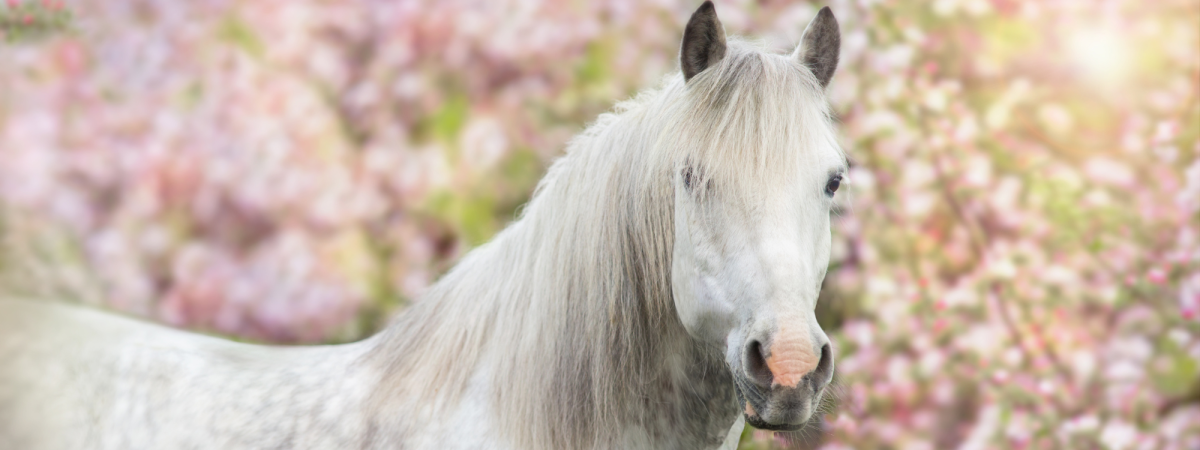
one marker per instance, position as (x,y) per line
(820,45)
(703,41)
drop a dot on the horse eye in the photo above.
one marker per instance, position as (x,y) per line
(833,184)
(687,178)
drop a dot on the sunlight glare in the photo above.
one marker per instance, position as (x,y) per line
(1101,54)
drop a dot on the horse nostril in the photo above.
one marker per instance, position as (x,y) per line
(756,365)
(823,374)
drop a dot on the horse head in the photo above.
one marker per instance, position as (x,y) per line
(756,168)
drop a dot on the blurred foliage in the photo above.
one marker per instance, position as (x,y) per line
(29,21)
(1016,264)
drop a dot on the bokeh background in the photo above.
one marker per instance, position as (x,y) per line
(1017,263)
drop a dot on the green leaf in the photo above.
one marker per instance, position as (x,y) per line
(594,68)
(1180,375)
(236,32)
(448,120)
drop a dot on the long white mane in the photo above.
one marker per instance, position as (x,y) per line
(571,305)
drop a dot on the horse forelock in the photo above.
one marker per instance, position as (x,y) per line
(751,121)
(570,307)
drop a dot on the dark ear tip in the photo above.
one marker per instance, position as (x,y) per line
(706,12)
(826,14)
(706,9)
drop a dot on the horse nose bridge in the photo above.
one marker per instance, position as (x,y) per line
(788,270)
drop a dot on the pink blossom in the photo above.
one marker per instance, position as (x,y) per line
(1156,275)
(939,326)
(1000,376)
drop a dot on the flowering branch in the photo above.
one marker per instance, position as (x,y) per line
(979,249)
(22,20)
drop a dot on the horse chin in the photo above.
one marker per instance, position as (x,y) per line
(757,422)
(803,408)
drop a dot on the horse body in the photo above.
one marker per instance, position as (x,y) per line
(81,379)
(656,293)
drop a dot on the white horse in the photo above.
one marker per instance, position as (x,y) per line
(657,293)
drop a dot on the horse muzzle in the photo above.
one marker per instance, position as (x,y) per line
(776,391)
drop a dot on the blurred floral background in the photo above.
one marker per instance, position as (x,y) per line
(1017,264)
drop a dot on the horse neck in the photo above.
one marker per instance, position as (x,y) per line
(570,307)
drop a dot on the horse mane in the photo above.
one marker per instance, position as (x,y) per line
(569,309)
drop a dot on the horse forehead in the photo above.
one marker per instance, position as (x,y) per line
(783,196)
